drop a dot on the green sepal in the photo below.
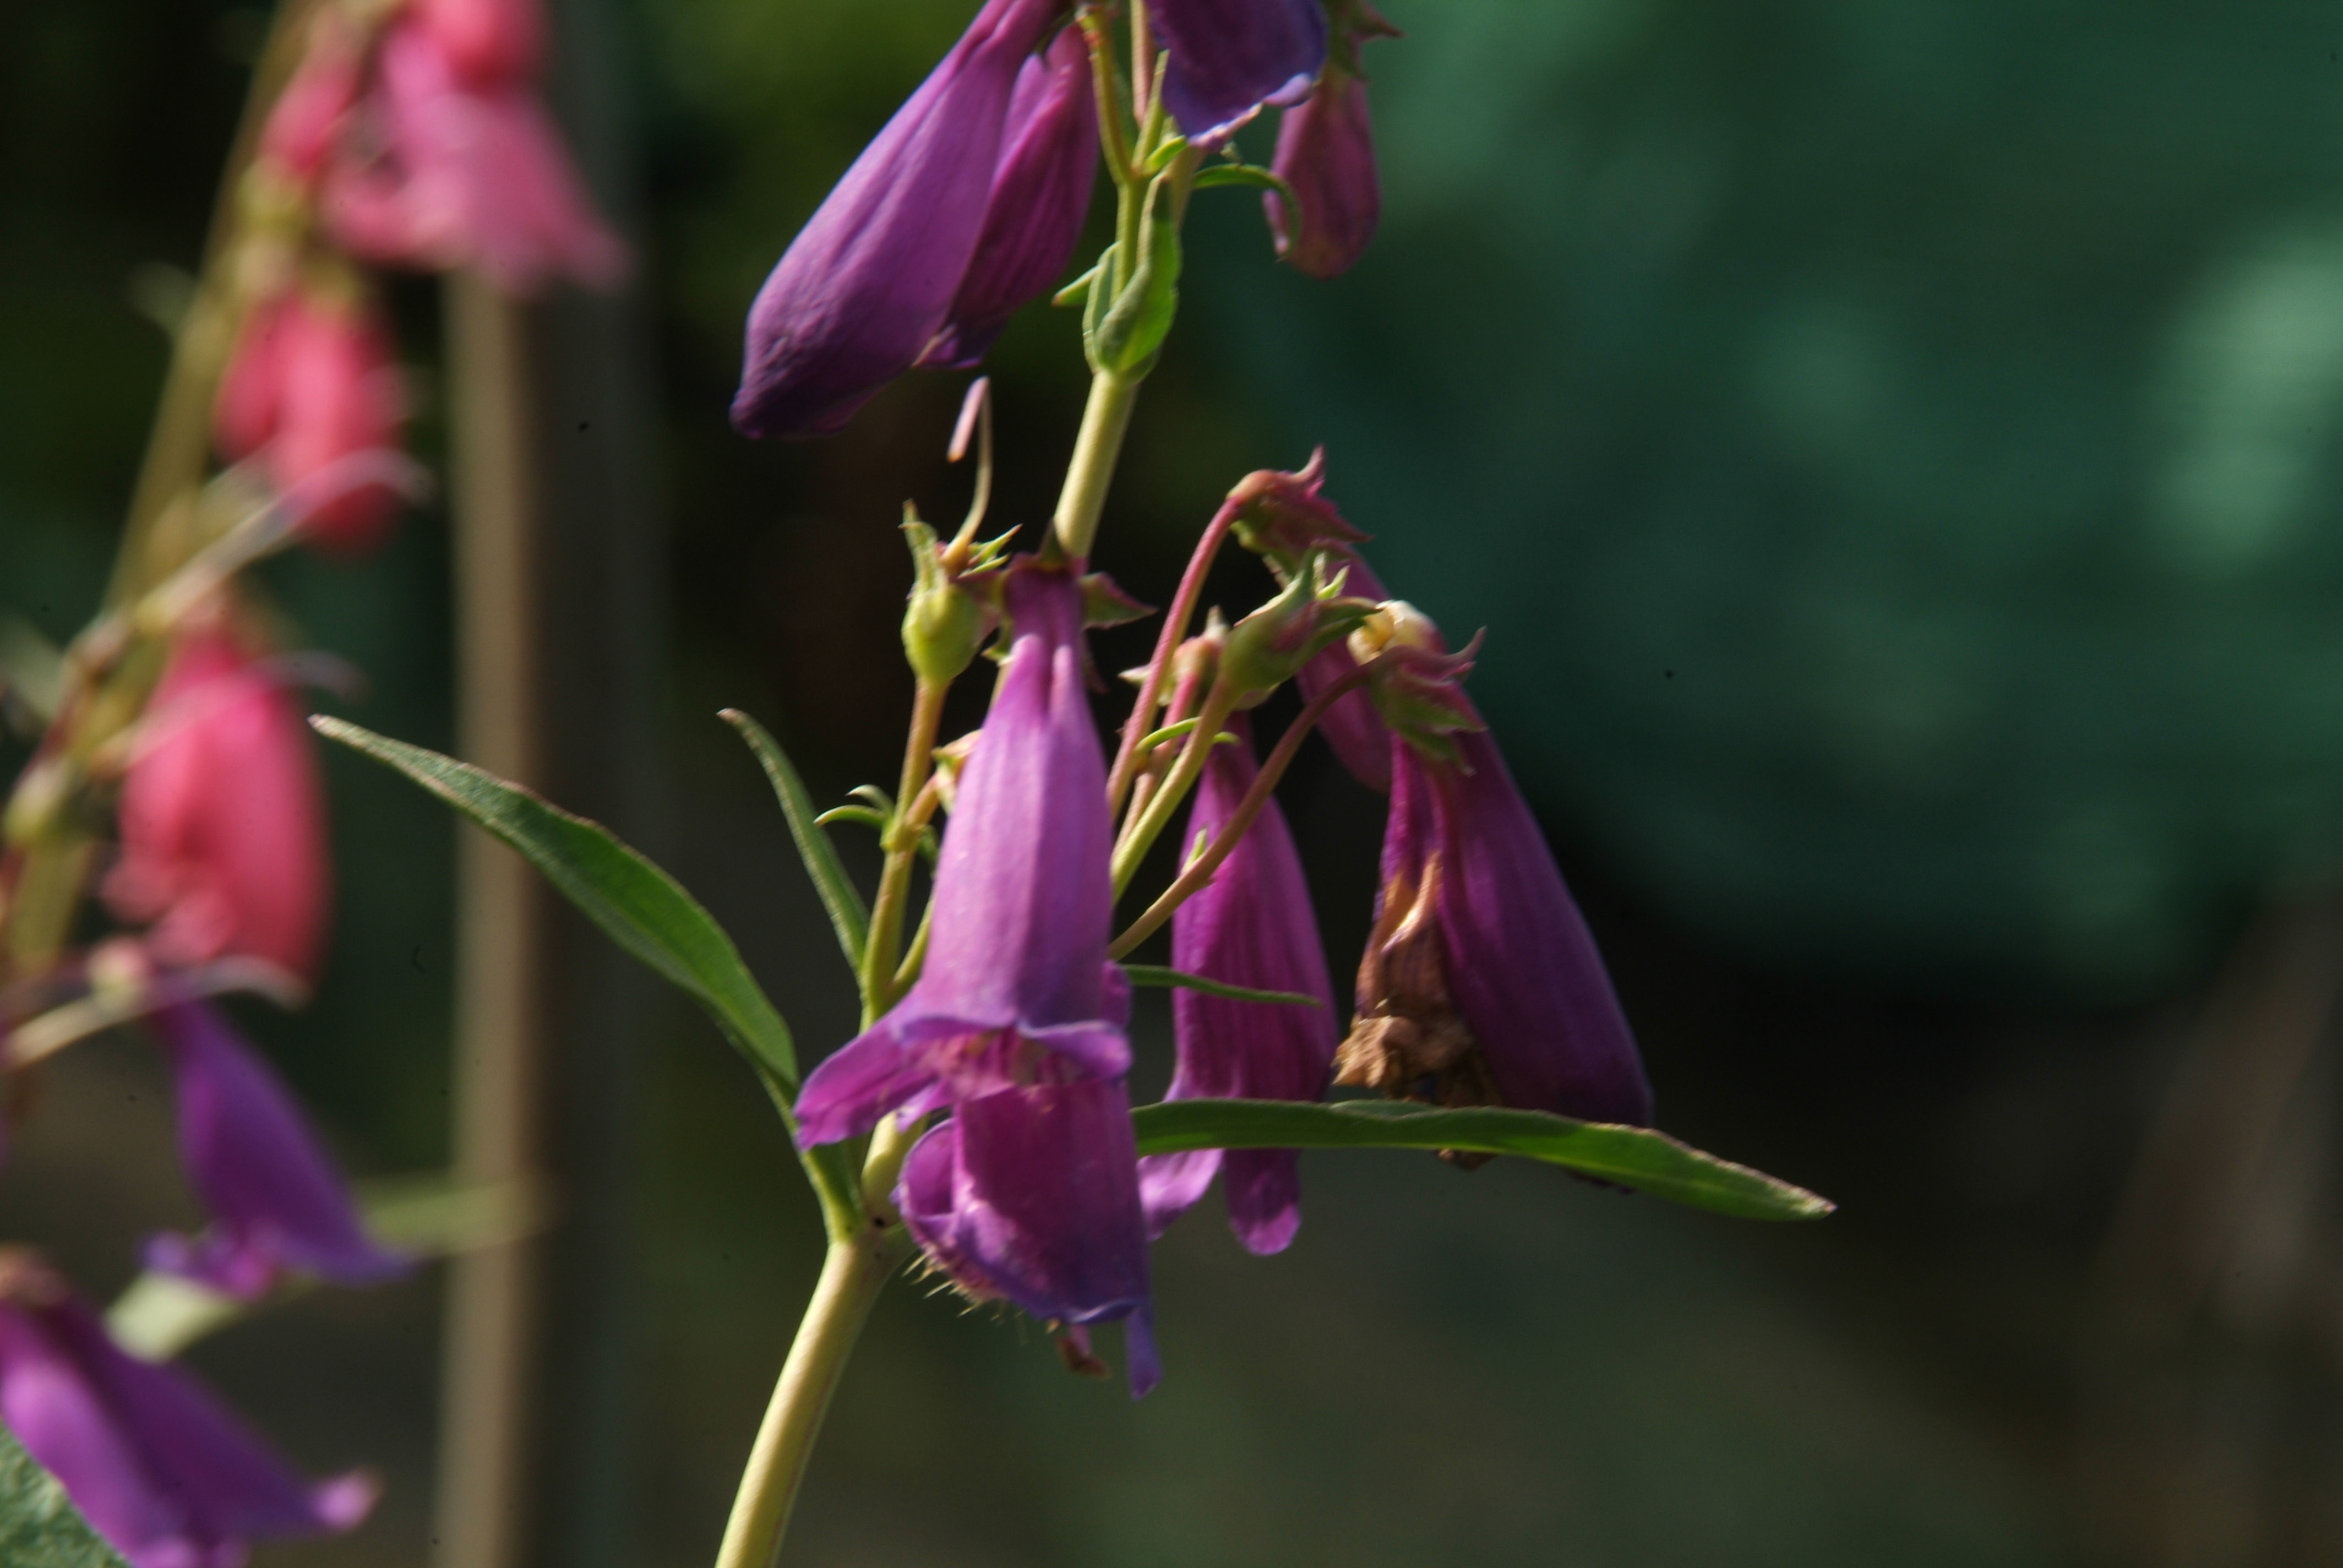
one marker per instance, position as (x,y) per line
(1250,176)
(1075,293)
(1127,335)
(638,905)
(847,914)
(1634,1157)
(1169,148)
(1160,975)
(39,1525)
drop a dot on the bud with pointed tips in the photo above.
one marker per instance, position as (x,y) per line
(1272,645)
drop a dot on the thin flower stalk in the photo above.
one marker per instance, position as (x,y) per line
(1130,757)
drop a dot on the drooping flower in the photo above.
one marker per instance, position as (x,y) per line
(1326,154)
(1016,989)
(1228,57)
(158,1465)
(311,389)
(461,166)
(1250,925)
(1481,984)
(872,278)
(223,818)
(276,1200)
(1040,195)
(1031,1196)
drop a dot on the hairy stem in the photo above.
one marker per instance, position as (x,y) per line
(1199,871)
(851,1276)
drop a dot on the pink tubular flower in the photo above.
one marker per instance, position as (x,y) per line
(470,171)
(223,818)
(1016,991)
(311,386)
(155,1463)
(1250,925)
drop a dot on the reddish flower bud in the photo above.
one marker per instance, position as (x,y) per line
(485,41)
(223,818)
(1326,155)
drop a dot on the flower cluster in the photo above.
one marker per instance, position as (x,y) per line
(407,135)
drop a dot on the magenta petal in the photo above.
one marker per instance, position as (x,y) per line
(276,1200)
(1228,57)
(1031,1196)
(1016,989)
(869,280)
(1252,926)
(1041,195)
(1326,154)
(1521,962)
(158,1465)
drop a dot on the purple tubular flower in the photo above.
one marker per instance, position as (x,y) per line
(1041,195)
(1326,152)
(1031,1196)
(153,1460)
(1360,741)
(1228,57)
(277,1202)
(1016,992)
(1250,925)
(1481,984)
(870,279)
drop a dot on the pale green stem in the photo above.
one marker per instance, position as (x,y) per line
(1140,836)
(851,1276)
(885,948)
(1105,419)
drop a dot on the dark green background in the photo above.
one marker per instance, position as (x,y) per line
(1893,450)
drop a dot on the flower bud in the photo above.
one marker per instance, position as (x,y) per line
(1282,517)
(1326,156)
(945,623)
(1268,647)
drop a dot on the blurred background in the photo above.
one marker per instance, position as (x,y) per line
(1897,454)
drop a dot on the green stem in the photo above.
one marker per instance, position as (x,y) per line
(884,949)
(1140,836)
(1105,419)
(851,1276)
(1199,871)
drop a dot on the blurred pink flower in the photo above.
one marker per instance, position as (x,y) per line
(466,169)
(313,382)
(223,818)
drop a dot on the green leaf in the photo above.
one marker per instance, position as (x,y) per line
(640,906)
(39,1528)
(1158,975)
(1251,176)
(848,917)
(1633,1157)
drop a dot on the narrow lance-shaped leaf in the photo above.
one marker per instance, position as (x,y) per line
(1633,1157)
(847,916)
(640,906)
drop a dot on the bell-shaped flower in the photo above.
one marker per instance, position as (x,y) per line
(311,391)
(277,1202)
(1250,925)
(871,279)
(1326,156)
(1016,991)
(1031,1196)
(1481,984)
(1040,195)
(221,817)
(1228,57)
(154,1461)
(462,172)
